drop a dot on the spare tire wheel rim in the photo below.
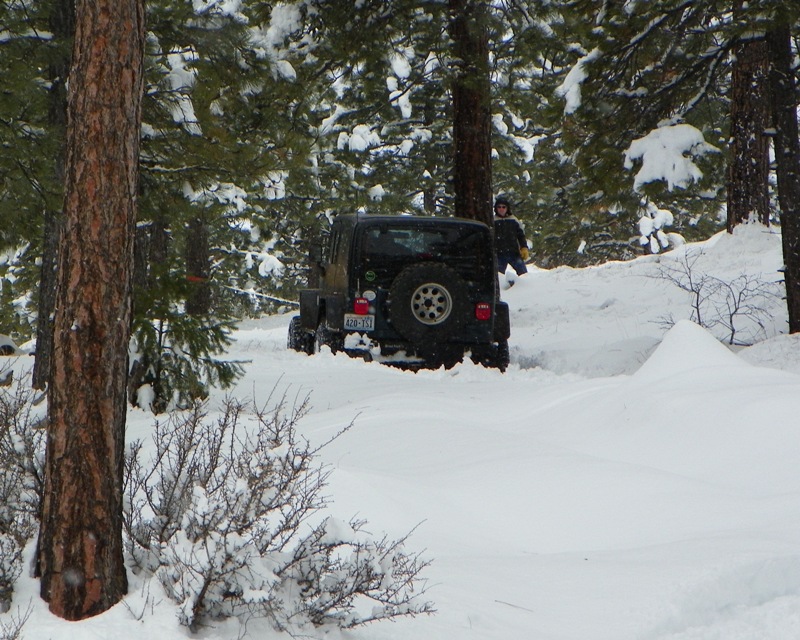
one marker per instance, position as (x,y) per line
(431,303)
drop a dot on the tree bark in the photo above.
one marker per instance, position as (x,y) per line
(149,253)
(80,556)
(40,378)
(472,141)
(198,268)
(748,168)
(787,158)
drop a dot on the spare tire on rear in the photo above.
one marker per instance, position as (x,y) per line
(427,302)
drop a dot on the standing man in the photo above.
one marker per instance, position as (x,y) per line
(510,244)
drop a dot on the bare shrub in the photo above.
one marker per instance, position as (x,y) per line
(723,306)
(21,477)
(11,626)
(221,516)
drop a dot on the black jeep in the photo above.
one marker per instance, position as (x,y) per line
(415,291)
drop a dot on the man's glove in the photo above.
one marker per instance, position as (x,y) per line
(523,251)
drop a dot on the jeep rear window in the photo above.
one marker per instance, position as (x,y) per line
(426,243)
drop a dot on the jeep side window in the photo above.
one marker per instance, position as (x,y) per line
(327,256)
(340,248)
(332,244)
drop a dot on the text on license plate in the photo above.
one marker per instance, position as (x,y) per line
(352,322)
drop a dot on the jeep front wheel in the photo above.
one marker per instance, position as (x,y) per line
(299,339)
(426,301)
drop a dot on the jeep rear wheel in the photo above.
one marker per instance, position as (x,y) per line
(494,355)
(327,337)
(426,302)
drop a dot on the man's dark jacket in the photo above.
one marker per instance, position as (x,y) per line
(508,235)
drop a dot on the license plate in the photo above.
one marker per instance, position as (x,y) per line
(353,322)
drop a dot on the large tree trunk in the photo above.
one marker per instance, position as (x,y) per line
(62,25)
(80,542)
(472,166)
(748,168)
(787,158)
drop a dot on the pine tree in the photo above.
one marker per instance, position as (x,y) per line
(530,165)
(29,182)
(218,144)
(381,113)
(639,66)
(62,25)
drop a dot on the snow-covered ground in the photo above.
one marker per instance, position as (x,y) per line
(621,481)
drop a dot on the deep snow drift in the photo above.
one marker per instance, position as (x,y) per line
(621,481)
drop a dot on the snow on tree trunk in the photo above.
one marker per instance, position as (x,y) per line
(748,168)
(80,544)
(472,168)
(787,159)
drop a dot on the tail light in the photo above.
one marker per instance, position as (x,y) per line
(361,306)
(483,311)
